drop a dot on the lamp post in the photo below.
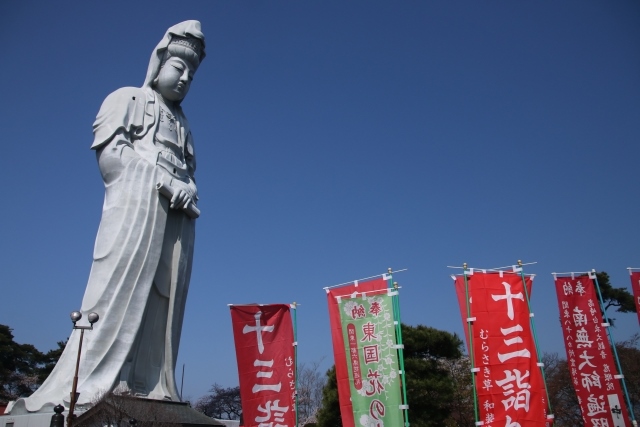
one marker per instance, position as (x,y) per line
(75,316)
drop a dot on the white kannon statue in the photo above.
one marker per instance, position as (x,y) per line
(144,248)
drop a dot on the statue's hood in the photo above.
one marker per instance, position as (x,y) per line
(183,29)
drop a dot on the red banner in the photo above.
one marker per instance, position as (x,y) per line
(263,335)
(508,379)
(593,370)
(339,354)
(635,285)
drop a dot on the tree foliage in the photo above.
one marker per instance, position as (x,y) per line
(19,365)
(329,413)
(22,366)
(462,402)
(49,360)
(430,389)
(223,403)
(620,298)
(562,395)
(310,385)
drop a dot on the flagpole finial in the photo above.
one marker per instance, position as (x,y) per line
(395,285)
(389,270)
(519,263)
(464,265)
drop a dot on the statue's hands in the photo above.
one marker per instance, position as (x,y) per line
(180,200)
(184,194)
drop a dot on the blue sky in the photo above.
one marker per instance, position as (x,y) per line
(334,140)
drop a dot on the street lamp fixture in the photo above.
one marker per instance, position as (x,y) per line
(75,317)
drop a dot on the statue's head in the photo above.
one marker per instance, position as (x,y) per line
(175,60)
(188,48)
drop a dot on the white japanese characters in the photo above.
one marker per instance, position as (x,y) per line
(588,353)
(264,340)
(508,380)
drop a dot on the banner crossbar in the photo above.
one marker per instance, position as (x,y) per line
(513,267)
(569,273)
(366,278)
(358,294)
(485,270)
(253,304)
(573,274)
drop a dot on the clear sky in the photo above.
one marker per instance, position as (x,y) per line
(334,139)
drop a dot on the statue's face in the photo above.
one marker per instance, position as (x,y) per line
(174,79)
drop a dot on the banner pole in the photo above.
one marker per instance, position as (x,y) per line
(612,343)
(535,336)
(396,319)
(470,335)
(294,306)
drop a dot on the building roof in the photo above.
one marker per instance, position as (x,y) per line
(117,410)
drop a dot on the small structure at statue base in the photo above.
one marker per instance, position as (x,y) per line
(118,410)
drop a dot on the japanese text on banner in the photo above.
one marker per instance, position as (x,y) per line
(372,359)
(263,336)
(509,383)
(342,374)
(589,354)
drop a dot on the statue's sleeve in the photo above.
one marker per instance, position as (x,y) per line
(124,111)
(190,156)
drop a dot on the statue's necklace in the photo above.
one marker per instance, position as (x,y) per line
(170,117)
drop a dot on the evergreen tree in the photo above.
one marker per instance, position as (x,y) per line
(329,413)
(430,386)
(615,297)
(48,361)
(18,367)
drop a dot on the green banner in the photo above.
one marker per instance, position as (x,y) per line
(372,358)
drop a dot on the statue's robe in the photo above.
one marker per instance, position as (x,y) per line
(141,264)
